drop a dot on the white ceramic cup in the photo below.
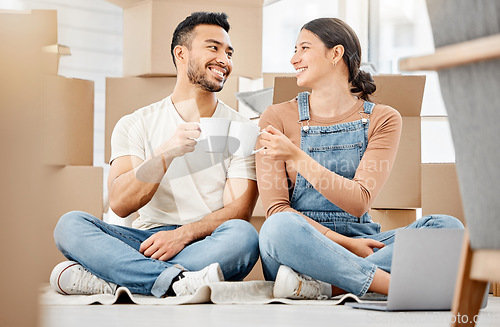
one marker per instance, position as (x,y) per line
(214,133)
(242,138)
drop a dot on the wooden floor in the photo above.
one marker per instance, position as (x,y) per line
(248,315)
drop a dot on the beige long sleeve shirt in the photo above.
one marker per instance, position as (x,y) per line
(355,196)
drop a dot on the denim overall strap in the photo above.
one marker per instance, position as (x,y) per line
(339,148)
(368,108)
(303,100)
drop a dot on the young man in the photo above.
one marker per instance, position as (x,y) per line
(192,205)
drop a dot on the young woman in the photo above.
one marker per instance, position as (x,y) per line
(327,155)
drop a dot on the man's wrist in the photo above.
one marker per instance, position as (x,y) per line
(188,235)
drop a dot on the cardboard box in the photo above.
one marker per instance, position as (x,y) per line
(124,95)
(390,219)
(270,77)
(149,25)
(256,273)
(285,88)
(68,121)
(259,210)
(403,187)
(403,93)
(68,188)
(22,36)
(228,92)
(74,188)
(440,191)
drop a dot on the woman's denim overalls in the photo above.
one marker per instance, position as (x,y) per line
(340,149)
(287,238)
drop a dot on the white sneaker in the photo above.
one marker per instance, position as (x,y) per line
(292,285)
(69,277)
(193,280)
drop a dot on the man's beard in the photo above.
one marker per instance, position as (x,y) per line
(198,77)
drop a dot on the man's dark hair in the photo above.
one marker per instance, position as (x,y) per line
(183,32)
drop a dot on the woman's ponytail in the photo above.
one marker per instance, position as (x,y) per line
(363,85)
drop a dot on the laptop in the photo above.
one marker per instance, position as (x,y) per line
(424,271)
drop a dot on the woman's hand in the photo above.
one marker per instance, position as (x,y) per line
(363,247)
(277,145)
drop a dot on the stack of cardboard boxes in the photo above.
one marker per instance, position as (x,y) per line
(22,37)
(66,110)
(71,181)
(47,140)
(149,72)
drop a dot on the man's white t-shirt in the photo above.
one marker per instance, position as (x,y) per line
(194,183)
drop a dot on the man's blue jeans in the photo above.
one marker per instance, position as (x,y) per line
(111,252)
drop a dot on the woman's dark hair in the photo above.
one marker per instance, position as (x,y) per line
(182,34)
(332,32)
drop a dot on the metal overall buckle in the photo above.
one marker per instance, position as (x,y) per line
(364,120)
(302,127)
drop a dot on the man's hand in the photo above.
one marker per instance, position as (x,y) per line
(182,142)
(363,247)
(164,245)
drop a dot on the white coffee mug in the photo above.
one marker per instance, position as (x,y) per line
(242,138)
(214,132)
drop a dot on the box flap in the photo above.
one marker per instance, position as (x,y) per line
(402,92)
(268,78)
(59,49)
